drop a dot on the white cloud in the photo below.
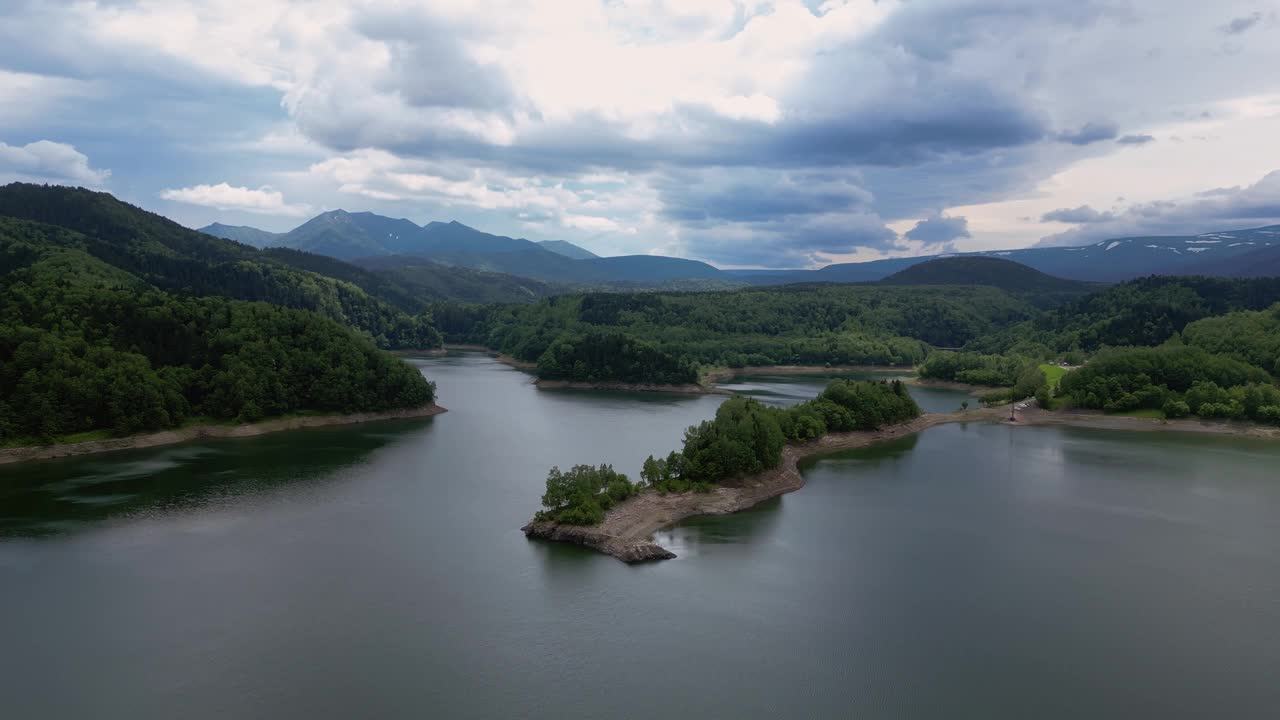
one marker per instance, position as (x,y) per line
(538,202)
(47,161)
(1227,208)
(226,197)
(26,98)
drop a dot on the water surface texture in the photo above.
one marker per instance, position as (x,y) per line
(973,571)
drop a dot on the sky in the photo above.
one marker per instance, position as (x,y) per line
(746,133)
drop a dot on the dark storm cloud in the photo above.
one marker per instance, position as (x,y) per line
(799,243)
(1079,215)
(756,197)
(939,229)
(1089,133)
(429,65)
(1241,24)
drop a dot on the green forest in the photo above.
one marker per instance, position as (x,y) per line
(976,335)
(803,324)
(744,438)
(87,346)
(1179,346)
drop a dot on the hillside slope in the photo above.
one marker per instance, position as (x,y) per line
(1015,278)
(87,347)
(242,234)
(176,259)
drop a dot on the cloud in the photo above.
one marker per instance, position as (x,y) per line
(1090,132)
(804,242)
(28,98)
(222,196)
(536,201)
(792,129)
(1241,24)
(1211,210)
(47,161)
(939,230)
(770,217)
(756,196)
(1080,215)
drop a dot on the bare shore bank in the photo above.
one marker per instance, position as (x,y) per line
(202,432)
(627,529)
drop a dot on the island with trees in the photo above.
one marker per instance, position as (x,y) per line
(745,455)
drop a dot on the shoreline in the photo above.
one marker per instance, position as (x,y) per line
(973,390)
(716,375)
(685,389)
(627,529)
(205,432)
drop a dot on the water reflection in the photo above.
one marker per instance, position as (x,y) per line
(56,496)
(756,526)
(788,390)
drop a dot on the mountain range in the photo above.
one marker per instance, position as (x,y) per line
(375,241)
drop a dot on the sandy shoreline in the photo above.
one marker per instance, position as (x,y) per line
(201,432)
(627,530)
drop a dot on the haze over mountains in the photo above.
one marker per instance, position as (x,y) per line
(372,240)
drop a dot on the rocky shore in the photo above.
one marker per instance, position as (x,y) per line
(201,432)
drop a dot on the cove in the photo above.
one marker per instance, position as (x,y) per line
(969,571)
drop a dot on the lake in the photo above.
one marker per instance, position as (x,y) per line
(973,571)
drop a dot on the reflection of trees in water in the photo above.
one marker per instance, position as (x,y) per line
(754,525)
(886,450)
(54,496)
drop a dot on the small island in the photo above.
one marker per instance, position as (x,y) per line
(747,454)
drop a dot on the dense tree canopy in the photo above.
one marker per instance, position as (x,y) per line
(812,325)
(1253,337)
(86,346)
(1123,379)
(1141,312)
(747,437)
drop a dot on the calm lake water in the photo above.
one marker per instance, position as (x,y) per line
(973,571)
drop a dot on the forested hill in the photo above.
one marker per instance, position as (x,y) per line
(1040,289)
(180,260)
(1142,312)
(242,234)
(980,270)
(87,347)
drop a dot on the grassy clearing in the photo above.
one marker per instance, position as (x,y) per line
(1053,374)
